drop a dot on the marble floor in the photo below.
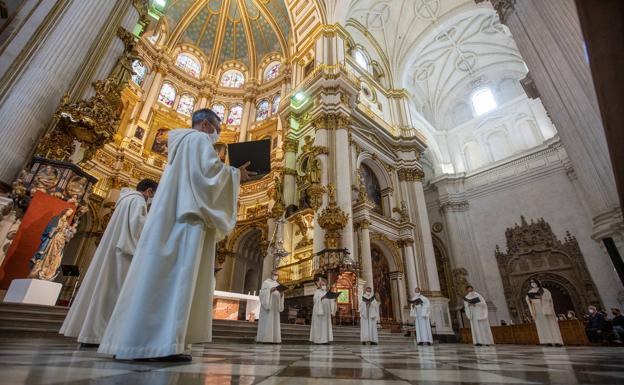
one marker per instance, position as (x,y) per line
(48,362)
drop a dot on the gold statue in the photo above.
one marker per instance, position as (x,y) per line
(45,180)
(314,170)
(47,260)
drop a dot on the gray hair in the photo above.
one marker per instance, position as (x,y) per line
(205,114)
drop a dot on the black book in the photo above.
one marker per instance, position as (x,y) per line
(417,301)
(473,300)
(258,152)
(368,300)
(331,295)
(281,288)
(537,294)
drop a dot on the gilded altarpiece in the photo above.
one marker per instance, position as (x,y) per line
(534,251)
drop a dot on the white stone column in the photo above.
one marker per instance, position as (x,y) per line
(365,253)
(290,162)
(152,94)
(342,172)
(398,299)
(247,119)
(32,100)
(410,266)
(321,139)
(425,251)
(267,261)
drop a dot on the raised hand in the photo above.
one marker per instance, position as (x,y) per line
(244,173)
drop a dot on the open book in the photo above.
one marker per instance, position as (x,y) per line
(416,302)
(331,295)
(473,301)
(258,152)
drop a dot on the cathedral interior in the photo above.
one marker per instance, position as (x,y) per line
(428,143)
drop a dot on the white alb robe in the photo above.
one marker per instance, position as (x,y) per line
(479,324)
(89,314)
(543,312)
(166,301)
(368,320)
(321,325)
(271,305)
(421,314)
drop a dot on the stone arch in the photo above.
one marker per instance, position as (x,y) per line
(383,177)
(498,145)
(550,281)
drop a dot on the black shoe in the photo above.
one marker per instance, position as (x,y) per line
(172,358)
(478,345)
(429,344)
(373,343)
(85,346)
(420,343)
(363,343)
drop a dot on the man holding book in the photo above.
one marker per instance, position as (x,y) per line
(369,314)
(421,310)
(324,308)
(271,305)
(477,312)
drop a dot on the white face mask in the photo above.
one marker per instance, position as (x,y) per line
(324,287)
(417,292)
(275,277)
(592,311)
(149,200)
(214,137)
(533,284)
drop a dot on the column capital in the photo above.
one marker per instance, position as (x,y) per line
(454,206)
(290,145)
(405,242)
(289,171)
(364,224)
(331,121)
(410,174)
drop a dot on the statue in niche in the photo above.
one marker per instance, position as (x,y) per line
(314,170)
(45,180)
(47,260)
(76,187)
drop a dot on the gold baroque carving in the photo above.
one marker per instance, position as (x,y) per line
(331,121)
(410,174)
(332,219)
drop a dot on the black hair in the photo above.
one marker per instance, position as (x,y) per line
(146,184)
(469,287)
(204,114)
(539,284)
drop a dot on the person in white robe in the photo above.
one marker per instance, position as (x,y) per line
(271,305)
(369,315)
(420,309)
(89,314)
(166,302)
(322,312)
(542,310)
(477,313)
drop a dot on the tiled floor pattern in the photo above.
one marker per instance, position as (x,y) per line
(47,362)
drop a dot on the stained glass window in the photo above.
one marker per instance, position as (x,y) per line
(219,109)
(186,104)
(167,94)
(262,111)
(276,102)
(272,71)
(361,59)
(188,64)
(140,70)
(235,116)
(233,79)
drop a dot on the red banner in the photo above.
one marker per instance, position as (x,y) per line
(41,210)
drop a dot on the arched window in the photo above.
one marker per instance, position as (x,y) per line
(153,39)
(272,71)
(219,109)
(373,189)
(483,101)
(233,79)
(360,59)
(188,64)
(275,105)
(262,111)
(167,95)
(186,105)
(235,116)
(140,70)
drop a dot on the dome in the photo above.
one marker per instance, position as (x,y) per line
(229,30)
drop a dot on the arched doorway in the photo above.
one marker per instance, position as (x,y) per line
(564,295)
(247,267)
(251,281)
(381,281)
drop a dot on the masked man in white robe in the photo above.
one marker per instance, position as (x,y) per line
(166,301)
(542,310)
(89,314)
(477,312)
(322,312)
(420,309)
(369,314)
(271,305)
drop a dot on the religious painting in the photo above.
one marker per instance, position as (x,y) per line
(381,281)
(272,71)
(161,142)
(343,296)
(275,105)
(232,79)
(186,105)
(140,70)
(373,190)
(262,111)
(219,109)
(167,95)
(189,65)
(139,133)
(235,116)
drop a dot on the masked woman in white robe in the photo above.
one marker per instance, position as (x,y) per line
(166,302)
(542,310)
(421,311)
(477,313)
(321,325)
(369,315)
(271,305)
(89,314)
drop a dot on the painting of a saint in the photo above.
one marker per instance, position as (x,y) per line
(161,141)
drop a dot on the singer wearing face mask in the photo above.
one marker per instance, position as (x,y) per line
(369,314)
(271,305)
(89,314)
(542,310)
(166,302)
(324,308)
(420,309)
